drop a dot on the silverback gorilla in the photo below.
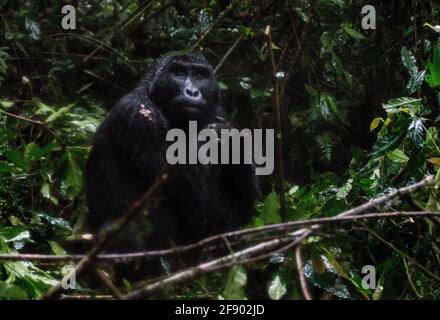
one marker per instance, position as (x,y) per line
(129,151)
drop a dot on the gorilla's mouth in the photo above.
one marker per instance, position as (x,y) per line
(189,106)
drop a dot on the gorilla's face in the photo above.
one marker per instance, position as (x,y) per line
(186,90)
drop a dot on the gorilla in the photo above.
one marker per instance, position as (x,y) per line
(129,151)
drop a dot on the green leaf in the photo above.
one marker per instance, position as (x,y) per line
(415,82)
(16,158)
(45,192)
(73,182)
(392,139)
(375,123)
(352,32)
(397,156)
(234,287)
(415,133)
(277,288)
(33,27)
(401,104)
(6,104)
(433,69)
(409,61)
(11,292)
(56,248)
(345,189)
(61,112)
(410,64)
(326,142)
(318,263)
(270,209)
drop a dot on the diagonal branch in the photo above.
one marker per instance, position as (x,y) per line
(109,234)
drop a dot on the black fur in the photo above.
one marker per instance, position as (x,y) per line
(129,151)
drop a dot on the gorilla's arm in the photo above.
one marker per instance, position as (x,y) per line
(128,153)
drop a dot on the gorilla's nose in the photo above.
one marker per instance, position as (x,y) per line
(192,92)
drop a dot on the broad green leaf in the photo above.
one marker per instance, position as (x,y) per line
(33,27)
(56,248)
(16,158)
(4,167)
(397,156)
(73,182)
(375,123)
(415,133)
(326,142)
(433,69)
(61,112)
(398,104)
(391,140)
(317,262)
(11,292)
(345,189)
(409,61)
(234,288)
(415,82)
(277,288)
(6,104)
(352,32)
(270,209)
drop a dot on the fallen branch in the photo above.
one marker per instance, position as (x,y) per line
(216,264)
(183,249)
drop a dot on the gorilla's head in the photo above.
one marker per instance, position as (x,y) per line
(184,88)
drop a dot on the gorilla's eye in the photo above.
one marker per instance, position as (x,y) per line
(178,70)
(201,73)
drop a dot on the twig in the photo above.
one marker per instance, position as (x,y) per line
(279,136)
(105,280)
(21,117)
(216,264)
(400,252)
(108,234)
(213,24)
(302,278)
(387,197)
(228,53)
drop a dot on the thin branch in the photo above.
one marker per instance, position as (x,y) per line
(302,278)
(400,252)
(279,129)
(105,280)
(387,197)
(216,264)
(282,227)
(21,117)
(213,24)
(228,53)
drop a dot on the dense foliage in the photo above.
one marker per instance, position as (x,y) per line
(360,118)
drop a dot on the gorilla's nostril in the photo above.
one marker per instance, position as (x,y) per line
(192,92)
